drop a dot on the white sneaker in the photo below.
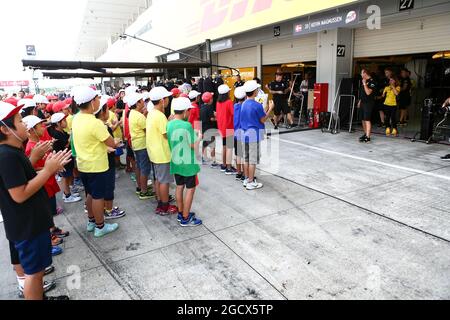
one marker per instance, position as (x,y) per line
(254,185)
(47,286)
(73,198)
(76,189)
(245,183)
(75,194)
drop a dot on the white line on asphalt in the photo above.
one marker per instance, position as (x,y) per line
(430,174)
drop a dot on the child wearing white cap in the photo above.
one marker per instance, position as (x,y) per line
(111,212)
(137,126)
(253,117)
(24,202)
(91,140)
(194,113)
(224,115)
(239,95)
(183,142)
(158,149)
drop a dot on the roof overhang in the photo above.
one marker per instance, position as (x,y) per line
(103,22)
(71,75)
(98,65)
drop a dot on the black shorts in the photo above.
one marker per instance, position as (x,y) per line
(95,184)
(207,143)
(13,253)
(68,169)
(110,184)
(190,182)
(403,104)
(367,110)
(130,152)
(281,107)
(228,142)
(238,148)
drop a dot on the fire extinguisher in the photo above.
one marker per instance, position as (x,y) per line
(311,118)
(316,116)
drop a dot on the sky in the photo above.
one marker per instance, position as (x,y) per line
(51,25)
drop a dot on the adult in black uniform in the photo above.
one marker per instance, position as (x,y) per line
(279,90)
(366,104)
(239,82)
(200,85)
(446,107)
(194,84)
(208,85)
(404,98)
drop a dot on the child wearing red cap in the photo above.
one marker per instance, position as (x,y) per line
(24,202)
(35,132)
(209,128)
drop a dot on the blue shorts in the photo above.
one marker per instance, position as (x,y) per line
(35,255)
(95,184)
(143,162)
(110,184)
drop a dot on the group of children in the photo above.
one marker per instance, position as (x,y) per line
(241,127)
(40,144)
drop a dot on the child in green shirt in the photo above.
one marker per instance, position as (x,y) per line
(183,165)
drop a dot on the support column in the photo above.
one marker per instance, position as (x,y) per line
(209,55)
(259,61)
(331,68)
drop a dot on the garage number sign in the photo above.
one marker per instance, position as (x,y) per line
(406,5)
(341,51)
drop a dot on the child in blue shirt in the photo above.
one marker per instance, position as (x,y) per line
(253,117)
(240,95)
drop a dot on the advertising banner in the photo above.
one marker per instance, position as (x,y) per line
(326,22)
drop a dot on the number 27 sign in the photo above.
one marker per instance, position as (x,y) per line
(406,5)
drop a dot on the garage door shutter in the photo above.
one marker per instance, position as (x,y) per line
(423,35)
(298,49)
(238,58)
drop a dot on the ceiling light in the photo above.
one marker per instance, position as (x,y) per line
(442,55)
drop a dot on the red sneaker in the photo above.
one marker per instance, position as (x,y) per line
(160,211)
(172,209)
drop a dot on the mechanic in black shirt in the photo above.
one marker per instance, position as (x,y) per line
(366,104)
(23,200)
(194,84)
(239,82)
(404,98)
(208,85)
(279,89)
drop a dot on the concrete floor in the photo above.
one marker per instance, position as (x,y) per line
(335,220)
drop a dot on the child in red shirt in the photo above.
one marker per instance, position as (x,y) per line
(225,124)
(194,116)
(36,131)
